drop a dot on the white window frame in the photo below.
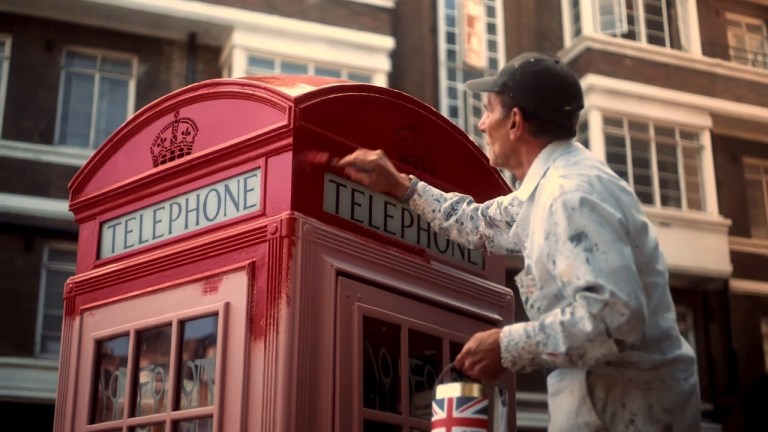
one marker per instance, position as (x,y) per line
(452,93)
(5,60)
(131,99)
(744,21)
(311,67)
(611,96)
(310,42)
(588,27)
(762,164)
(655,174)
(42,310)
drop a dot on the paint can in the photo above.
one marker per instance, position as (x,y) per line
(465,404)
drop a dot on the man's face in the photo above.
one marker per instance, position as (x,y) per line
(497,127)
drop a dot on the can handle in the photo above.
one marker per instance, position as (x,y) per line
(451,366)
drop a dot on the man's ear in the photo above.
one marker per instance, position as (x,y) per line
(516,120)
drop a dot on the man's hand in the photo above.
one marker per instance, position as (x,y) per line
(481,356)
(373,169)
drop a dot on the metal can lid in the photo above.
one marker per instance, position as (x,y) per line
(456,389)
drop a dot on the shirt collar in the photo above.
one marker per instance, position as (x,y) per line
(540,165)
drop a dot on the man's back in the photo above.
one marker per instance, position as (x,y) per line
(593,264)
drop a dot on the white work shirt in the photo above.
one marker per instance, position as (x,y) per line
(595,287)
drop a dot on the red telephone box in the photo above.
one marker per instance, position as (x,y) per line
(225,284)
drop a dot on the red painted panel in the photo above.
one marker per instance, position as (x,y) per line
(197,118)
(418,138)
(269,122)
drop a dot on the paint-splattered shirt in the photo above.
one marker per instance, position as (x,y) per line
(594,284)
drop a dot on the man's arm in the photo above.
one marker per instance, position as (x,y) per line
(590,258)
(479,226)
(587,250)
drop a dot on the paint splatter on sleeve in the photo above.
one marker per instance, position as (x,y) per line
(479,226)
(584,258)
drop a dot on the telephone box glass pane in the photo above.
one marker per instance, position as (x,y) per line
(381,371)
(158,427)
(374,426)
(151,383)
(425,354)
(109,379)
(196,425)
(197,366)
(454,348)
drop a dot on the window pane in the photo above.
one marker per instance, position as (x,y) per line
(327,72)
(157,427)
(112,107)
(381,371)
(747,41)
(81,61)
(152,384)
(689,136)
(669,179)
(575,19)
(54,282)
(51,343)
(196,425)
(614,122)
(109,387)
(116,66)
(198,362)
(62,256)
(293,68)
(616,155)
(756,200)
(693,191)
(425,354)
(665,132)
(52,309)
(76,106)
(642,174)
(52,323)
(360,77)
(261,64)
(375,426)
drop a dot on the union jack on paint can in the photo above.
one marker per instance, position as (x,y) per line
(468,406)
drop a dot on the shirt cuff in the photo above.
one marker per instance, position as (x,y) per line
(519,350)
(411,190)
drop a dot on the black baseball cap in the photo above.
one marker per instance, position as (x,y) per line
(540,86)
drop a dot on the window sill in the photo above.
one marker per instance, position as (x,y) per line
(388,4)
(29,378)
(59,155)
(679,230)
(749,245)
(657,54)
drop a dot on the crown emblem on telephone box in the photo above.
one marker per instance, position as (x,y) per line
(174,141)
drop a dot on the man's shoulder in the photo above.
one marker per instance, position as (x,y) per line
(589,179)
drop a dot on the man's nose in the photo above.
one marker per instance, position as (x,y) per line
(481,124)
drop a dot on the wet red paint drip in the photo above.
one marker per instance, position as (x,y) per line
(211,286)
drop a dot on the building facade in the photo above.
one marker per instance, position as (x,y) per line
(676,103)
